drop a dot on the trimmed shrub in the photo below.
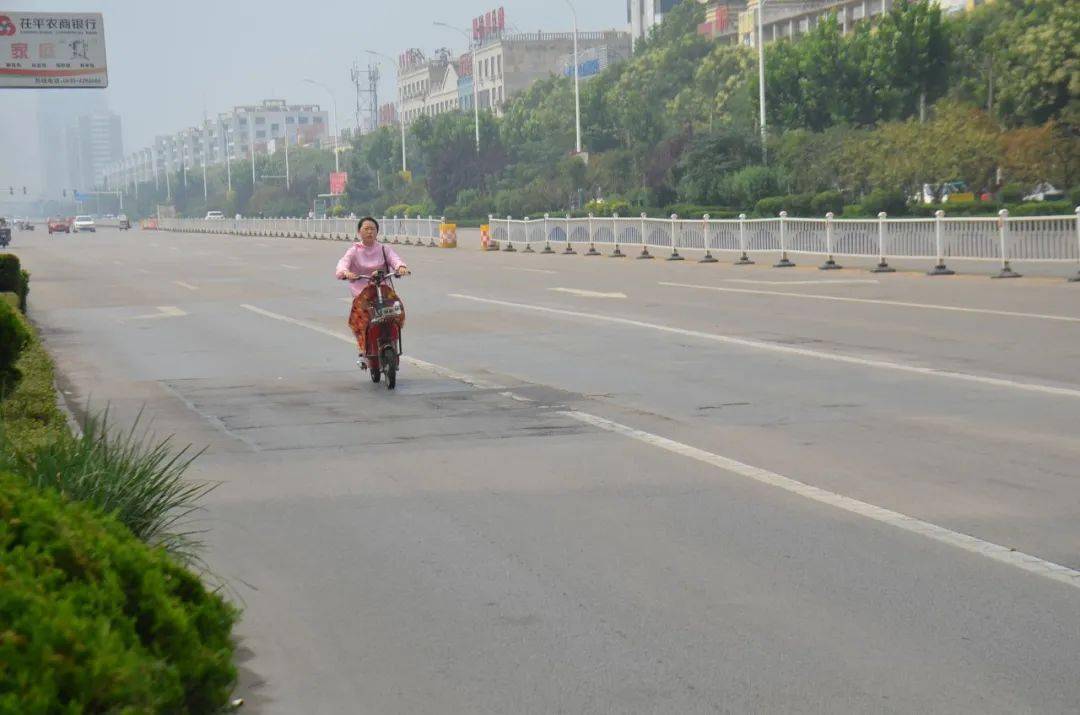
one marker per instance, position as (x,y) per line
(607,208)
(1074,196)
(1041,208)
(92,620)
(13,338)
(29,415)
(801,205)
(892,202)
(827,201)
(693,211)
(855,211)
(1011,194)
(13,279)
(398,210)
(771,206)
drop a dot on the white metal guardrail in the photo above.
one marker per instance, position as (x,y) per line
(419,231)
(1001,238)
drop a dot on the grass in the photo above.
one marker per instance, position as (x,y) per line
(136,477)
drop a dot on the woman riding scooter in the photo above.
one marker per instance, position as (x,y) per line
(361,260)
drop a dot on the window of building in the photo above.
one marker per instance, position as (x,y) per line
(303,120)
(275,128)
(260,120)
(243,121)
(261,134)
(498,65)
(290,120)
(317,120)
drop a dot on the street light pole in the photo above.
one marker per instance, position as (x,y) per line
(577,90)
(401,114)
(475,89)
(761,78)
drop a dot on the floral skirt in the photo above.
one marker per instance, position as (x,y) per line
(360,315)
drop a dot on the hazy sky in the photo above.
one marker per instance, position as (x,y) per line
(169,60)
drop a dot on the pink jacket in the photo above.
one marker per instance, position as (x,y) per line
(365,261)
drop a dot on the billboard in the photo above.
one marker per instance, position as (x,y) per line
(338,179)
(52,49)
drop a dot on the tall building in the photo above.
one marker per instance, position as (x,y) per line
(643,15)
(57,110)
(94,143)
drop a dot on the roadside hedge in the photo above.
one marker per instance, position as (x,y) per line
(92,620)
(13,279)
(13,339)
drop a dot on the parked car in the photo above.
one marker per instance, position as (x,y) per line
(83,223)
(124,222)
(1045,192)
(213,215)
(24,224)
(56,225)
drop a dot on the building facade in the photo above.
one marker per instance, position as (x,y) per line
(236,134)
(643,15)
(94,144)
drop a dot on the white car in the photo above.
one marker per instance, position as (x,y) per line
(83,223)
(1045,192)
(214,215)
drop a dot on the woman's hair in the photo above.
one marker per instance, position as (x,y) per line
(367,218)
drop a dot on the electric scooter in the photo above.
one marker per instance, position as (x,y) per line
(383,340)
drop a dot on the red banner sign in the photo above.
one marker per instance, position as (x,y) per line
(338,179)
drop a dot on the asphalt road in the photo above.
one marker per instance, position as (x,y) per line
(610,485)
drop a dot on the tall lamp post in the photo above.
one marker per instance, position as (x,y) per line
(401,114)
(577,90)
(761,78)
(334,124)
(475,91)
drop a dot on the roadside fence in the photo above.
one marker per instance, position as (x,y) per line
(1002,238)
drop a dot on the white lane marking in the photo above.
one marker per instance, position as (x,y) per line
(990,550)
(875,301)
(516,398)
(290,267)
(182,284)
(422,364)
(118,263)
(789,350)
(143,271)
(532,270)
(803,283)
(164,311)
(588,293)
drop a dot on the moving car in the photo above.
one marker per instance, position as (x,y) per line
(83,223)
(124,222)
(24,224)
(214,215)
(56,225)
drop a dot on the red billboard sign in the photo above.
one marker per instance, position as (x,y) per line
(338,179)
(490,23)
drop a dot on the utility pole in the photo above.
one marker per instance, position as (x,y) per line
(761,78)
(577,90)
